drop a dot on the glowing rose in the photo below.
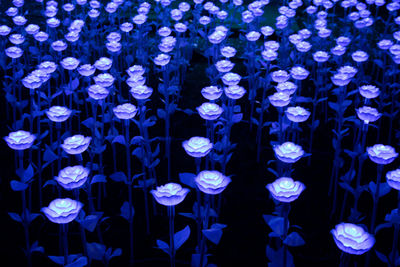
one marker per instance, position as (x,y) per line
(299,73)
(234,91)
(103,63)
(381,154)
(58,114)
(197,147)
(162,59)
(224,66)
(105,80)
(76,144)
(170,194)
(285,189)
(209,111)
(212,182)
(228,51)
(393,179)
(20,140)
(62,210)
(86,70)
(352,238)
(280,76)
(70,63)
(231,78)
(72,177)
(287,87)
(288,152)
(97,92)
(368,114)
(125,111)
(211,92)
(279,99)
(141,92)
(297,114)
(369,91)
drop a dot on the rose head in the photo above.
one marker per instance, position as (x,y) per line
(234,91)
(297,114)
(62,210)
(97,92)
(211,92)
(393,179)
(169,194)
(209,111)
(58,114)
(76,144)
(352,238)
(141,92)
(197,147)
(369,91)
(212,182)
(368,114)
(285,189)
(125,111)
(381,154)
(20,140)
(72,177)
(279,99)
(288,152)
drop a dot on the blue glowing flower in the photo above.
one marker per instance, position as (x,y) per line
(197,147)
(20,140)
(125,111)
(368,114)
(62,210)
(76,144)
(230,79)
(352,238)
(70,63)
(381,154)
(280,76)
(369,91)
(97,92)
(72,177)
(209,111)
(234,91)
(285,189)
(211,92)
(104,79)
(162,59)
(393,179)
(170,194)
(58,114)
(279,99)
(288,152)
(212,182)
(297,114)
(141,92)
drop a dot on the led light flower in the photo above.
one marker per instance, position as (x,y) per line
(211,182)
(72,177)
(170,194)
(58,114)
(86,70)
(280,76)
(253,36)
(267,31)
(321,56)
(393,179)
(70,63)
(62,210)
(197,147)
(288,152)
(359,56)
(271,45)
(136,80)
(369,91)
(297,114)
(103,63)
(341,79)
(41,37)
(381,154)
(141,92)
(48,67)
(352,238)
(224,66)
(338,50)
(234,91)
(104,79)
(279,99)
(299,73)
(209,111)
(16,38)
(368,114)
(230,79)
(162,59)
(97,92)
(14,52)
(4,30)
(125,111)
(269,55)
(32,81)
(303,46)
(211,92)
(135,70)
(20,140)
(76,144)
(285,189)
(228,51)
(286,87)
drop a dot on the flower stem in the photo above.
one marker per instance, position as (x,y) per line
(171,215)
(376,198)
